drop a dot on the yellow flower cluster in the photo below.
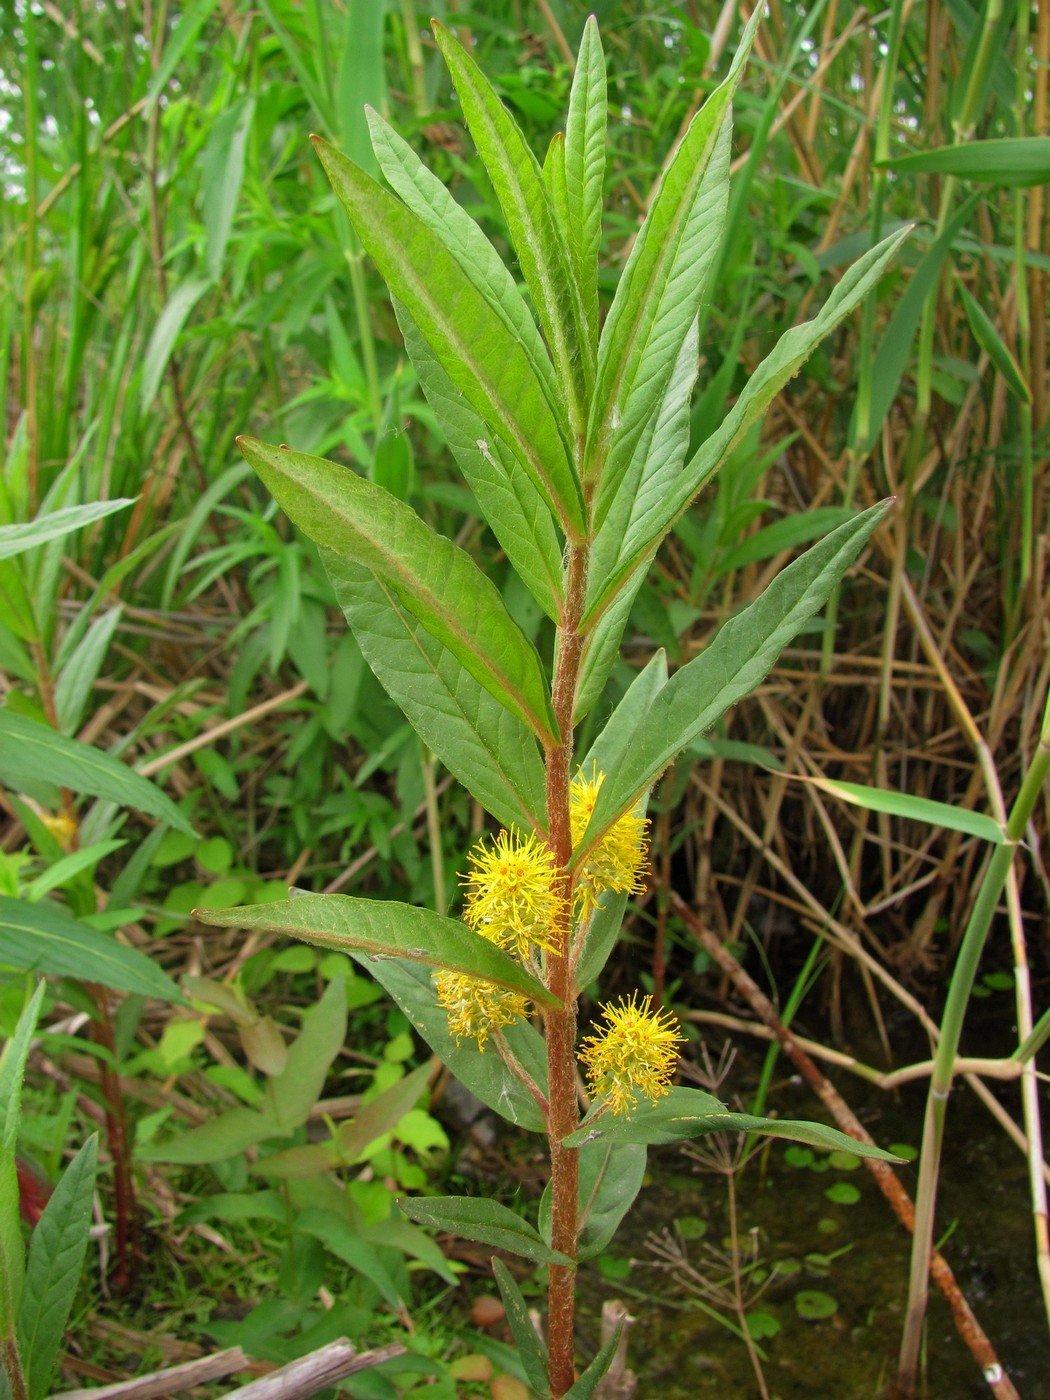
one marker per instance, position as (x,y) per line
(635,1053)
(619,860)
(513,901)
(477,1008)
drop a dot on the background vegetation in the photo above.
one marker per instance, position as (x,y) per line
(175,273)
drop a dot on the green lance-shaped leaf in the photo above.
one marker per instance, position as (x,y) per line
(345,1243)
(515,510)
(428,198)
(989,339)
(24,535)
(659,454)
(543,254)
(56,1257)
(45,938)
(385,929)
(12,1253)
(476,1218)
(917,809)
(662,285)
(648,526)
(1016,161)
(468,337)
(32,753)
(588,1383)
(633,752)
(434,580)
(485,1073)
(531,1350)
(295,1091)
(489,750)
(583,164)
(689,1113)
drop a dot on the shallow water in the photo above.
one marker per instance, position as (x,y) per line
(679,1354)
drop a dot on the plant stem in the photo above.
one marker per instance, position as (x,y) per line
(994,879)
(561,1024)
(11,1367)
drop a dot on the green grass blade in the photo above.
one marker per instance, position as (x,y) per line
(990,341)
(467,337)
(432,578)
(918,809)
(56,1257)
(543,254)
(222,174)
(22,536)
(383,928)
(1010,161)
(489,750)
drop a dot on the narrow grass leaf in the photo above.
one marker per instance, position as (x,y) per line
(792,349)
(488,1222)
(486,747)
(222,174)
(432,578)
(919,809)
(68,867)
(190,23)
(531,1350)
(485,1074)
(25,535)
(81,671)
(635,750)
(165,333)
(467,336)
(1009,161)
(543,254)
(990,341)
(56,1257)
(44,938)
(895,347)
(382,929)
(31,753)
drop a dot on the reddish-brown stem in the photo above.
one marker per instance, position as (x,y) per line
(119,1147)
(561,1025)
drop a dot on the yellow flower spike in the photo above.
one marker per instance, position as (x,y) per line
(635,1053)
(477,1008)
(513,900)
(620,859)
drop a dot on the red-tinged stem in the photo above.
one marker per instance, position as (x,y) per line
(119,1146)
(564,1114)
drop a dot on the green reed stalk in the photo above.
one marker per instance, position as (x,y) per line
(989,891)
